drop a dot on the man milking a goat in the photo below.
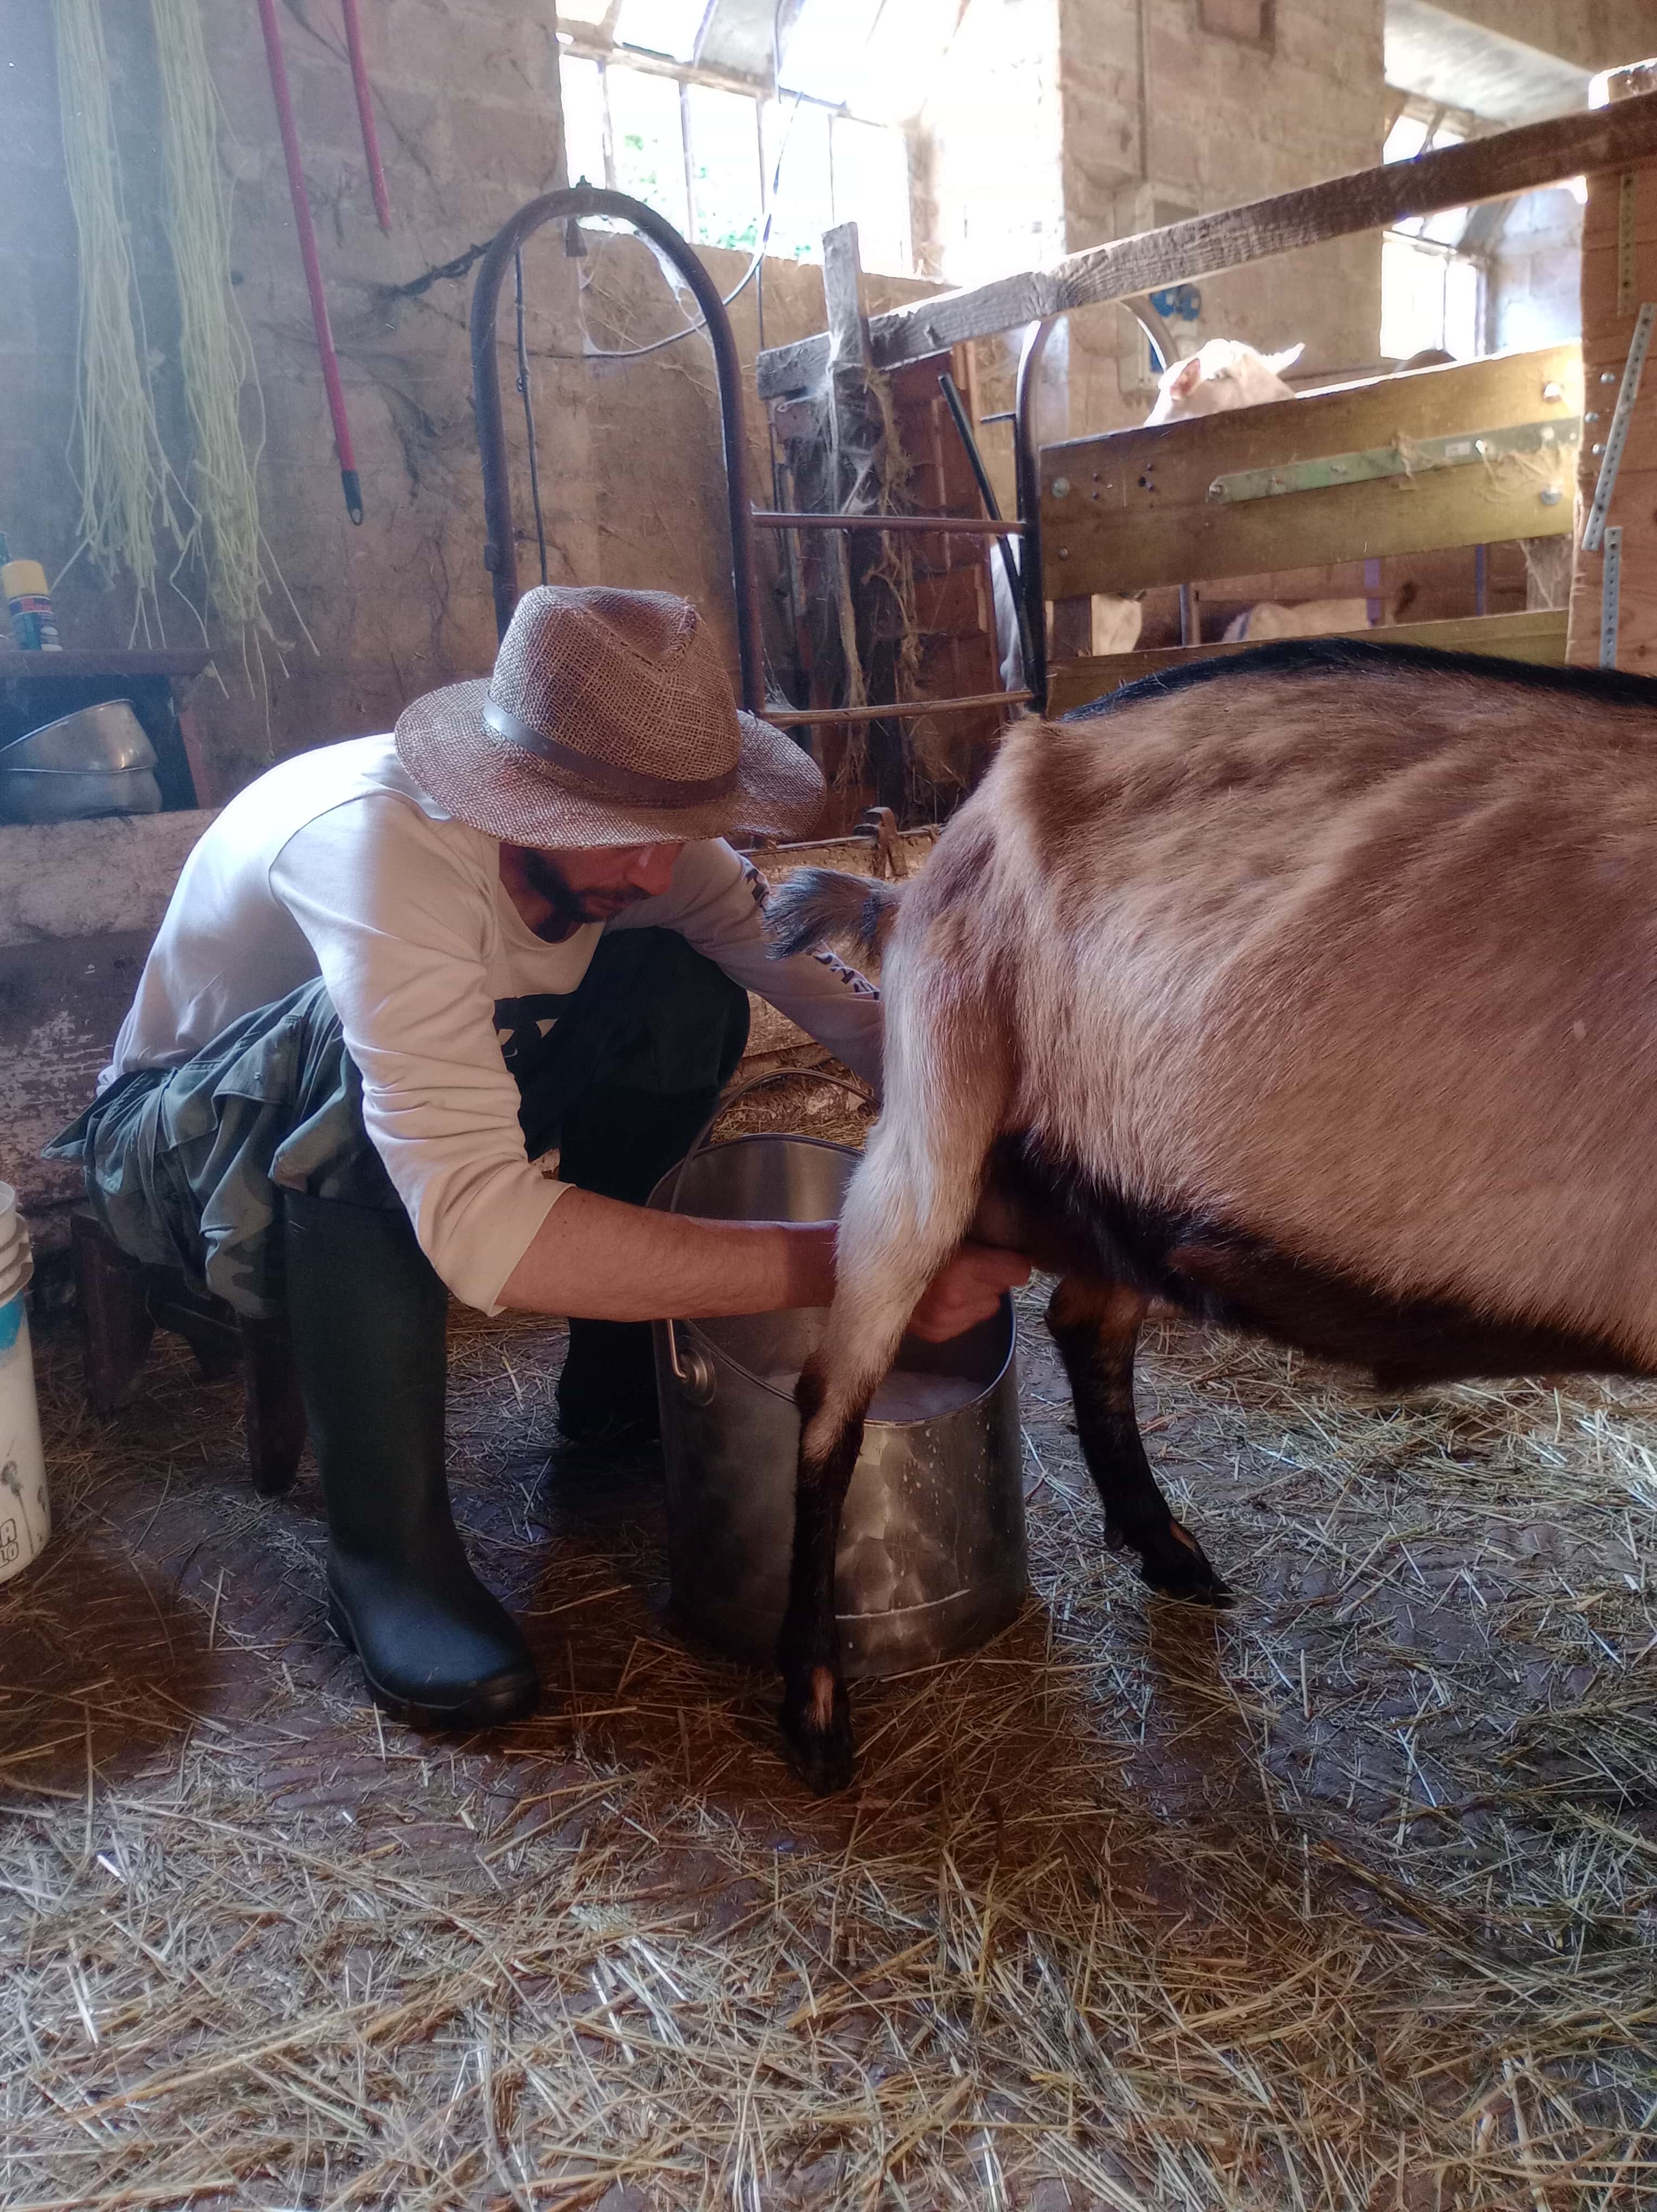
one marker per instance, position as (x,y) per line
(433,1013)
(1307,991)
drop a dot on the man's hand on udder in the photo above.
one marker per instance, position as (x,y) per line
(966,1290)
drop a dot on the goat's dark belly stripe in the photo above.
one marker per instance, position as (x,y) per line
(1221,1273)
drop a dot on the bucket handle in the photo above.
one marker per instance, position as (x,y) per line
(754,1083)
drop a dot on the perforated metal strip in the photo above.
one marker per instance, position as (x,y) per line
(1610,592)
(1617,436)
(1627,193)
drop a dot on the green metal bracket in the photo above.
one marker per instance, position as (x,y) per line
(1416,457)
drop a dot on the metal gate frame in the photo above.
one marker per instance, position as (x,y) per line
(500,544)
(500,541)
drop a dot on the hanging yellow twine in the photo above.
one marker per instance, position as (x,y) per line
(134,510)
(215,352)
(128,495)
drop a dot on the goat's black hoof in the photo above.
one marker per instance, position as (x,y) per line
(1175,1564)
(817,1734)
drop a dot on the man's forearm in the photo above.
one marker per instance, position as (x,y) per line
(606,1262)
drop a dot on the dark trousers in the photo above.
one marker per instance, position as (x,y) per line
(629,1079)
(186,1166)
(635,1064)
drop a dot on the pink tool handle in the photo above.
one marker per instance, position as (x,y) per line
(302,224)
(365,111)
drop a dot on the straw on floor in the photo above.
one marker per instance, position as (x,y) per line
(1345,1899)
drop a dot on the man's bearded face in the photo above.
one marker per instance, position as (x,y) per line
(593,883)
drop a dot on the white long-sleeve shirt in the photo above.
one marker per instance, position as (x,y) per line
(336,864)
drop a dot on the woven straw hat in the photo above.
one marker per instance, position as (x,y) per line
(608,720)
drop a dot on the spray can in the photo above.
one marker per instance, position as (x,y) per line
(24,1508)
(33,623)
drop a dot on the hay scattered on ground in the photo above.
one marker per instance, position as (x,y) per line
(1345,1899)
(805,1103)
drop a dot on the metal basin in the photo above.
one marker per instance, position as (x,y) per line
(96,761)
(932,1558)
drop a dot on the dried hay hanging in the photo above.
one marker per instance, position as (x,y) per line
(135,512)
(216,353)
(131,498)
(862,468)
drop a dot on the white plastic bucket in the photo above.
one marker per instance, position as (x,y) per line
(24,1509)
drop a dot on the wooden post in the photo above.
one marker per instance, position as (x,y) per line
(1619,276)
(854,410)
(1071,628)
(843,294)
(115,1322)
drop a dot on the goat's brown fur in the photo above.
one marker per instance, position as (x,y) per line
(1373,978)
(1348,956)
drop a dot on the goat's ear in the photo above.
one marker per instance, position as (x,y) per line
(1184,380)
(1278,362)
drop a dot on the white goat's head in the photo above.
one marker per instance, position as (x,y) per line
(1225,374)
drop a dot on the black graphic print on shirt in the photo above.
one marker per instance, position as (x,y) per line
(523,1025)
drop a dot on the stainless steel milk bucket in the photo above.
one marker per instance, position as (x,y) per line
(932,1548)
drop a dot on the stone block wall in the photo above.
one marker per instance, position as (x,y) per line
(992,135)
(467,99)
(466,95)
(1171,108)
(1036,142)
(1535,285)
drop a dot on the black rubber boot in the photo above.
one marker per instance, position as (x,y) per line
(368,1315)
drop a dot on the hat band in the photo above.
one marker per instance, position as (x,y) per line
(632,784)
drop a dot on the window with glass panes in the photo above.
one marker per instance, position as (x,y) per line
(717,155)
(1432,287)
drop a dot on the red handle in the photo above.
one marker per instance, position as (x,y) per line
(365,113)
(306,229)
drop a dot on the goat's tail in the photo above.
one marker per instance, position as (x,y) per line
(818,905)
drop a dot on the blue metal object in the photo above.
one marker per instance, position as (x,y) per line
(1178,303)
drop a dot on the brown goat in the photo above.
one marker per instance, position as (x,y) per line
(1312,990)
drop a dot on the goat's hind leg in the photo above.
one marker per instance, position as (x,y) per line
(1095,1326)
(815,1716)
(885,1261)
(888,1250)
